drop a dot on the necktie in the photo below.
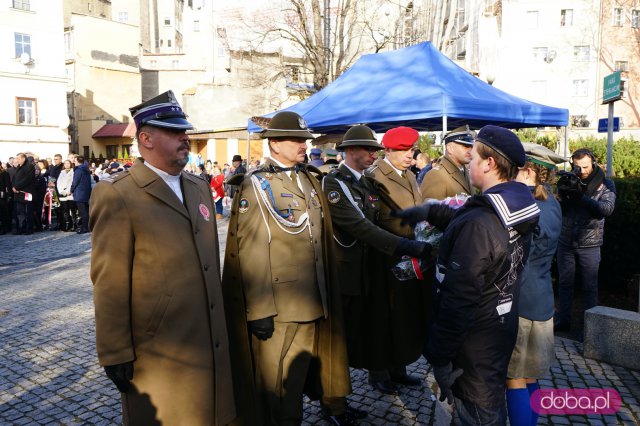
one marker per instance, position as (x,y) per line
(294,178)
(403,174)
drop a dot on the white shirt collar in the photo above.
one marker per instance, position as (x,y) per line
(393,167)
(172,180)
(357,174)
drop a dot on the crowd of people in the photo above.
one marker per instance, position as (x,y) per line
(351,260)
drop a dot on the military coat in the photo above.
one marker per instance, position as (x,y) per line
(158,298)
(355,206)
(445,180)
(395,310)
(280,276)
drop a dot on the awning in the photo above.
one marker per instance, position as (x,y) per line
(116,130)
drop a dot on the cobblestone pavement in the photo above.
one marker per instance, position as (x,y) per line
(49,372)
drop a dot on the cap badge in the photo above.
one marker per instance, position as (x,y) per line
(302,123)
(204,211)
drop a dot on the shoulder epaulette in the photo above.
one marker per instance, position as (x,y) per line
(115,177)
(236,179)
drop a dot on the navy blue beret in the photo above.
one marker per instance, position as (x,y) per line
(316,151)
(503,141)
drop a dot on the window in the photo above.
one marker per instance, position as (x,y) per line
(618,17)
(175,64)
(168,43)
(622,66)
(153,63)
(123,16)
(581,53)
(196,26)
(167,21)
(566,17)
(67,42)
(540,54)
(23,44)
(531,20)
(221,51)
(21,4)
(635,18)
(623,88)
(580,87)
(112,151)
(26,111)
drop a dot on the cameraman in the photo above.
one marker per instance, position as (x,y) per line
(586,198)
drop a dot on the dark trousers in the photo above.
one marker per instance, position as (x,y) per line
(5,216)
(219,206)
(582,263)
(69,219)
(83,210)
(24,216)
(469,414)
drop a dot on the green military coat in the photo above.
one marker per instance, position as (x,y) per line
(276,273)
(355,206)
(158,298)
(445,180)
(395,310)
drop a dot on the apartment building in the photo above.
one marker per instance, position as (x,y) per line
(33,115)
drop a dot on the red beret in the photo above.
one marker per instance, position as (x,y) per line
(400,138)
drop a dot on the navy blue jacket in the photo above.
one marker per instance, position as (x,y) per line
(481,256)
(536,289)
(81,185)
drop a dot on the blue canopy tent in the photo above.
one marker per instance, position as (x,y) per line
(419,87)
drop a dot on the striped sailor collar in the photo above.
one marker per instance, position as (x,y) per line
(513,203)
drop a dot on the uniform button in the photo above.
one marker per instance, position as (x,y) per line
(195,232)
(211,306)
(276,279)
(232,233)
(205,267)
(316,241)
(217,345)
(232,255)
(316,259)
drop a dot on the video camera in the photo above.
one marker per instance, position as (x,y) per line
(569,183)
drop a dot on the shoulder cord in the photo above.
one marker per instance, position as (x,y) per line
(350,198)
(303,220)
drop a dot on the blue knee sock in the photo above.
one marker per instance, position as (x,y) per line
(518,407)
(532,387)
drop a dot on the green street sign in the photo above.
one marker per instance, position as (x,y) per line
(611,91)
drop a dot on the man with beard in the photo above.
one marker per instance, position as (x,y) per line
(587,197)
(161,316)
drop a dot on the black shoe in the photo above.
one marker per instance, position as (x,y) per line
(358,414)
(345,419)
(82,231)
(406,380)
(384,386)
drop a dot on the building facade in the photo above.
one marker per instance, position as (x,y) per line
(33,116)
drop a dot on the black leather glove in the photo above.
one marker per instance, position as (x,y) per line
(446,376)
(262,328)
(417,249)
(412,215)
(120,375)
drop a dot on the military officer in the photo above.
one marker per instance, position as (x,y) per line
(162,321)
(395,310)
(354,203)
(279,252)
(450,177)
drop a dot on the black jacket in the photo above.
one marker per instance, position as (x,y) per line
(24,180)
(481,255)
(583,216)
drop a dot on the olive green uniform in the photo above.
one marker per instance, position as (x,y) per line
(355,206)
(445,180)
(279,253)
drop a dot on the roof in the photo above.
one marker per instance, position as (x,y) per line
(416,86)
(116,130)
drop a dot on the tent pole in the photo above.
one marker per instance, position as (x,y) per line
(566,141)
(248,147)
(444,131)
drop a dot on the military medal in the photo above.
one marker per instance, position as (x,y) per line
(243,205)
(204,211)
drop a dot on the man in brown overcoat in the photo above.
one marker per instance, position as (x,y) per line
(161,325)
(395,310)
(449,176)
